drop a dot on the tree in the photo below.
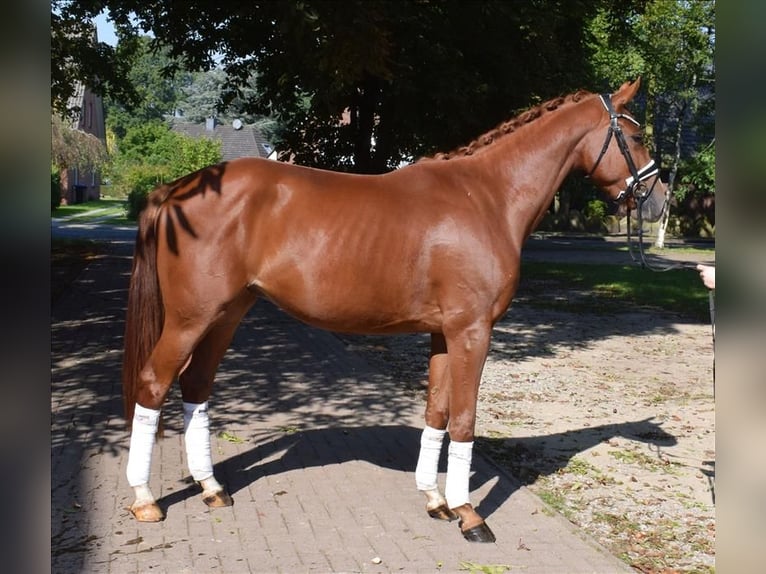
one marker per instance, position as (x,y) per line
(205,96)
(156,90)
(363,85)
(670,44)
(72,148)
(412,78)
(679,37)
(76,57)
(154,144)
(201,97)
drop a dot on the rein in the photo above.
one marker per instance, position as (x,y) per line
(642,259)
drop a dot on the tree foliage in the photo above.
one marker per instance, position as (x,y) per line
(76,57)
(698,175)
(201,97)
(671,45)
(73,148)
(154,144)
(157,91)
(363,85)
(411,77)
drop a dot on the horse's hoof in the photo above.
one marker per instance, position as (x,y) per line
(479,533)
(441,512)
(217,499)
(147,512)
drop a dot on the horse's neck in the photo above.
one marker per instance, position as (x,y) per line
(532,163)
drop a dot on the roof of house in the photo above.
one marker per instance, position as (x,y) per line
(77,105)
(86,111)
(237,139)
(75,101)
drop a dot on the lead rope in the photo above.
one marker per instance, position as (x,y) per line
(643,262)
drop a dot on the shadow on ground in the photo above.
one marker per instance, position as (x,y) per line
(277,451)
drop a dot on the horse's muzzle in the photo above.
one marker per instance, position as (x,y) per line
(652,200)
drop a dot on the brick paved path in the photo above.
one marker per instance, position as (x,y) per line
(317,449)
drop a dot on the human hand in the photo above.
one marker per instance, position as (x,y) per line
(707,274)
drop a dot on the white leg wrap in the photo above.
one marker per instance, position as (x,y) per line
(427,468)
(197,441)
(143,494)
(145,423)
(210,485)
(458,473)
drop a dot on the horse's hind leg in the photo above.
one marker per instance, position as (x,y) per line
(196,382)
(426,471)
(171,352)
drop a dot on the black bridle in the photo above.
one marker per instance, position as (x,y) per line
(635,186)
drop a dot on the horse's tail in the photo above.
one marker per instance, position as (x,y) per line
(145,312)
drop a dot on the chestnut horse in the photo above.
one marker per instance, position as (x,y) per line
(433,247)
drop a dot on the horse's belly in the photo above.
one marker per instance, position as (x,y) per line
(352,306)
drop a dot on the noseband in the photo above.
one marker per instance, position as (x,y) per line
(634,185)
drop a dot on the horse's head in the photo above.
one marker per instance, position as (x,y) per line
(616,159)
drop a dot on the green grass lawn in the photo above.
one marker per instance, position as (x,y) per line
(107,210)
(611,288)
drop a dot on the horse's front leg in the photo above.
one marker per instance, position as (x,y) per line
(467,353)
(431,440)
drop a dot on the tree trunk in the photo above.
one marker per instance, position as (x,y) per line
(363,121)
(660,241)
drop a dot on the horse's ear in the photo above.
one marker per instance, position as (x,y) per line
(626,92)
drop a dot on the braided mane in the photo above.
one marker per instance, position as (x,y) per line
(510,126)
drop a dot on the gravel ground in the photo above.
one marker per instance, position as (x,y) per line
(610,419)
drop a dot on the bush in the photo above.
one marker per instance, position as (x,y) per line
(194,154)
(139,181)
(151,154)
(55,190)
(697,175)
(594,214)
